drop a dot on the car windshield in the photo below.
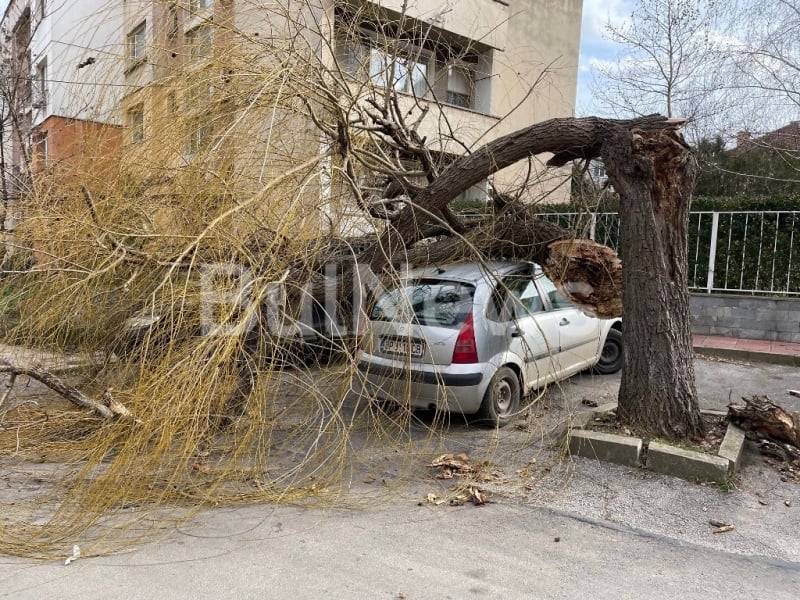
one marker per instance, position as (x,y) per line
(427,302)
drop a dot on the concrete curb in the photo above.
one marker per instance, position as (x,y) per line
(607,447)
(687,464)
(788,360)
(663,458)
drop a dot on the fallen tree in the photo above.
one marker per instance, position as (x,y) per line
(514,232)
(653,171)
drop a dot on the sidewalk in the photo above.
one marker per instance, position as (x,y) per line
(785,353)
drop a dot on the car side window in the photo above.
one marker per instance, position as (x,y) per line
(515,296)
(557,300)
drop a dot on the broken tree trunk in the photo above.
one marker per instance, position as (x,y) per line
(767,420)
(654,174)
(776,431)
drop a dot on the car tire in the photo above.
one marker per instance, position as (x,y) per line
(611,355)
(501,400)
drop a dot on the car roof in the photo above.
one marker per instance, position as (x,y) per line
(471,272)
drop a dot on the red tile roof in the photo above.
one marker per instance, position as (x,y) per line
(785,138)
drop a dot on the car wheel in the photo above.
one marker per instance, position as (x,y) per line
(611,356)
(501,401)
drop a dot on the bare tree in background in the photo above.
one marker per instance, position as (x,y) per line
(767,62)
(16,87)
(667,61)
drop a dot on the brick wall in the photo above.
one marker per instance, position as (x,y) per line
(775,319)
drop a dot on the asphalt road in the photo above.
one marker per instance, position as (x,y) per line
(622,533)
(718,382)
(407,552)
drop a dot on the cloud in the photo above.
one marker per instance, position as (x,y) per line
(598,13)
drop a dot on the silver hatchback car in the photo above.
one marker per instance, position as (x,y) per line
(476,338)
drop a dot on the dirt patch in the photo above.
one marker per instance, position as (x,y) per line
(715,428)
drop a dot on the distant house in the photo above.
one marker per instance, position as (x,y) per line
(786,138)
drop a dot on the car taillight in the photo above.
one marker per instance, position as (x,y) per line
(466,350)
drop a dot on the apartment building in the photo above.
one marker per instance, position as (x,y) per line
(168,82)
(61,91)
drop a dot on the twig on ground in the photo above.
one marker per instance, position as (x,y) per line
(57,385)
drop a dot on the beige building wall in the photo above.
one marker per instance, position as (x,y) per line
(508,46)
(534,48)
(526,73)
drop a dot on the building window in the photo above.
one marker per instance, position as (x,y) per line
(196,5)
(402,73)
(406,72)
(386,54)
(40,86)
(173,21)
(200,41)
(459,86)
(199,138)
(597,171)
(136,123)
(136,44)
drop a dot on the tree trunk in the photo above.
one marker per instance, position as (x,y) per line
(654,174)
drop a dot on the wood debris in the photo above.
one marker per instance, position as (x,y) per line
(473,494)
(777,432)
(723,529)
(720,526)
(451,465)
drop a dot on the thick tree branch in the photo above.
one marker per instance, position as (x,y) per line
(60,387)
(566,138)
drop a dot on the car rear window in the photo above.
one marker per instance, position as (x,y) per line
(427,302)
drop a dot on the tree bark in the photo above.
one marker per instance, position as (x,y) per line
(654,174)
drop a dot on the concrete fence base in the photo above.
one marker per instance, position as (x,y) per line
(751,317)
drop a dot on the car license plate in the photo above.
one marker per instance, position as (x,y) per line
(402,347)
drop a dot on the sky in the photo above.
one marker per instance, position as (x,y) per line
(596,15)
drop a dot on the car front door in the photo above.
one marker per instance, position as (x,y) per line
(533,332)
(578,334)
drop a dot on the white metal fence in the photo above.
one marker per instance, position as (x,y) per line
(746,252)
